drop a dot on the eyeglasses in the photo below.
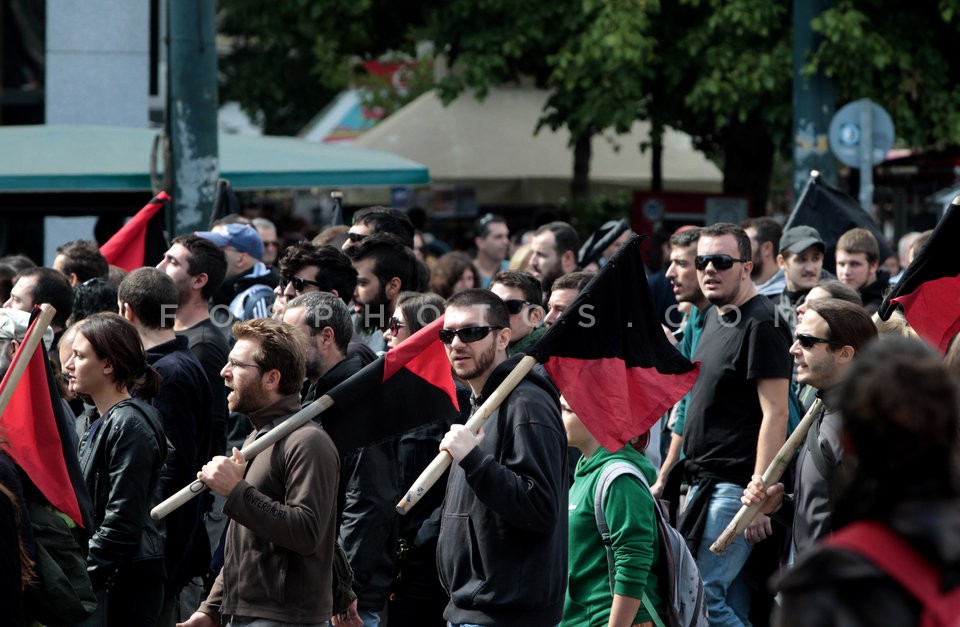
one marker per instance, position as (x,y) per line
(720,262)
(395,325)
(467,335)
(300,284)
(515,306)
(233,364)
(809,341)
(356,238)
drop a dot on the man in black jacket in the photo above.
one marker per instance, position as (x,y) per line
(184,402)
(502,551)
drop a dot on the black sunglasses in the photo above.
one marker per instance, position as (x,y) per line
(300,284)
(720,262)
(356,238)
(467,335)
(809,341)
(515,306)
(395,325)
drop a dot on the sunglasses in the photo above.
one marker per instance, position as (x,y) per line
(356,238)
(395,325)
(809,341)
(300,284)
(515,306)
(467,335)
(720,262)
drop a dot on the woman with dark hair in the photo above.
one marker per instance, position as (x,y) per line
(453,273)
(16,566)
(121,453)
(417,597)
(414,311)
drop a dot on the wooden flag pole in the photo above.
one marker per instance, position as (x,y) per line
(770,476)
(250,451)
(30,342)
(434,471)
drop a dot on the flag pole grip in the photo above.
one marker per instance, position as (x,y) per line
(771,475)
(435,470)
(288,426)
(30,342)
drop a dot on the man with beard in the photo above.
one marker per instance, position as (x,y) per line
(281,504)
(385,267)
(502,551)
(369,489)
(554,251)
(736,415)
(801,259)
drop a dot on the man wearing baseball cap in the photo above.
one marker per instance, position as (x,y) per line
(248,283)
(801,259)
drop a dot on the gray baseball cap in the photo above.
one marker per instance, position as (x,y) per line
(799,238)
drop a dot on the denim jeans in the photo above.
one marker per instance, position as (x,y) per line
(724,582)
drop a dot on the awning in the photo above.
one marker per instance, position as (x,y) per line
(117,159)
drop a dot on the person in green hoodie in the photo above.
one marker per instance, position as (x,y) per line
(629,511)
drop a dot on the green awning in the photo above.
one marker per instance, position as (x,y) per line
(105,158)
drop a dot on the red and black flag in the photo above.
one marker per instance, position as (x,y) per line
(410,386)
(833,213)
(36,429)
(929,290)
(140,242)
(610,357)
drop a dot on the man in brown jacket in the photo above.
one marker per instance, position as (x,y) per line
(282,503)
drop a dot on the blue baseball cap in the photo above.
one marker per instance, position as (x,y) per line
(243,237)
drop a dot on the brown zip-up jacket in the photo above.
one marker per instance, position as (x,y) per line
(279,544)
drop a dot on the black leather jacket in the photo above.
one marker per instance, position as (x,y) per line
(121,455)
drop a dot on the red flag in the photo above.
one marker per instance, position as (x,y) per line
(609,356)
(410,386)
(34,440)
(128,247)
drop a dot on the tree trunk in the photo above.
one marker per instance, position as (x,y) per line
(582,151)
(748,162)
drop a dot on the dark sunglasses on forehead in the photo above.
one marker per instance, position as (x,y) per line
(515,306)
(300,284)
(467,335)
(720,262)
(809,341)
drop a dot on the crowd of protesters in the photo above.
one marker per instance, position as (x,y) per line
(170,370)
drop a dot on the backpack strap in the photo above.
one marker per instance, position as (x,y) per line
(607,475)
(891,553)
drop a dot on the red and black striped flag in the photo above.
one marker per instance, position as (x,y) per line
(929,290)
(410,386)
(609,356)
(140,242)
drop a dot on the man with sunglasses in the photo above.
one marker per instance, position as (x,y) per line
(502,551)
(831,333)
(736,418)
(374,220)
(522,295)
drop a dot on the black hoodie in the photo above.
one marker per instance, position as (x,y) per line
(502,551)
